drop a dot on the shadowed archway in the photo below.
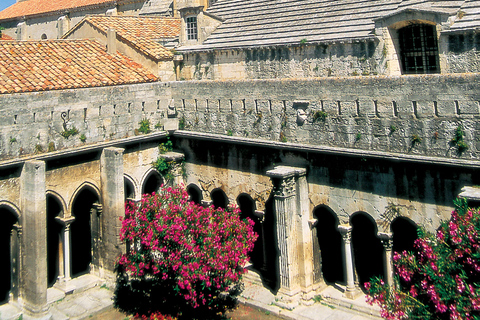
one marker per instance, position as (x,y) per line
(9,218)
(247,207)
(331,246)
(152,182)
(404,234)
(54,230)
(129,188)
(195,193)
(367,248)
(81,231)
(219,198)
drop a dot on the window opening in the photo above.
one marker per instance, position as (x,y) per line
(419,49)
(192,28)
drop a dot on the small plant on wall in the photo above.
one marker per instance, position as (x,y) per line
(68,133)
(416,139)
(163,166)
(457,140)
(319,116)
(144,126)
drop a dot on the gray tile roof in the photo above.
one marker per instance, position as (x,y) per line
(253,23)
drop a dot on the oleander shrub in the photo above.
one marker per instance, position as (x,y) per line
(182,259)
(441,280)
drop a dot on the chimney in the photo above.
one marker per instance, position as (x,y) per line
(111,41)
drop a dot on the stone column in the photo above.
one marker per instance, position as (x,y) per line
(113,207)
(64,275)
(284,188)
(34,243)
(352,291)
(387,242)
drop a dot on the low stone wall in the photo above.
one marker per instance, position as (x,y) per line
(40,122)
(407,114)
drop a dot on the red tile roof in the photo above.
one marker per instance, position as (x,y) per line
(5,37)
(64,64)
(143,33)
(34,7)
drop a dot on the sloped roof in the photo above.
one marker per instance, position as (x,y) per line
(142,33)
(5,37)
(253,23)
(470,16)
(64,64)
(36,7)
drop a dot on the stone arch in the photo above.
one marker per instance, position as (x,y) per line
(404,234)
(61,201)
(9,247)
(367,247)
(82,243)
(151,181)
(328,247)
(44,37)
(130,187)
(219,198)
(247,208)
(55,210)
(195,193)
(85,184)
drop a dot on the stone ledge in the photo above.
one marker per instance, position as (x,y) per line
(84,149)
(328,150)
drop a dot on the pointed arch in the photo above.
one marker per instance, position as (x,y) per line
(11,207)
(85,185)
(195,193)
(130,186)
(151,181)
(59,199)
(55,210)
(404,234)
(219,198)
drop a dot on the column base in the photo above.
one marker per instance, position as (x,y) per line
(288,299)
(353,294)
(65,285)
(33,312)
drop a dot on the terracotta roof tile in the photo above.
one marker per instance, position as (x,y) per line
(34,7)
(64,64)
(143,33)
(5,37)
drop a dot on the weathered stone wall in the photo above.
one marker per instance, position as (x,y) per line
(304,61)
(33,123)
(463,53)
(415,115)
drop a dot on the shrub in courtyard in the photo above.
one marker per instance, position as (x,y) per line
(182,259)
(441,280)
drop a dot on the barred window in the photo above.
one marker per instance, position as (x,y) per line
(418,49)
(192,28)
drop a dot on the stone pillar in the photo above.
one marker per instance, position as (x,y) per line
(284,188)
(387,242)
(175,160)
(64,275)
(113,207)
(352,291)
(34,243)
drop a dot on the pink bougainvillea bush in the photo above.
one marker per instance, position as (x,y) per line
(181,257)
(441,280)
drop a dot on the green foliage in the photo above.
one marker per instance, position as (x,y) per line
(164,167)
(283,138)
(83,138)
(303,41)
(416,139)
(51,146)
(258,118)
(38,148)
(181,123)
(358,137)
(457,140)
(158,125)
(68,133)
(392,129)
(229,132)
(144,126)
(319,115)
(166,146)
(13,140)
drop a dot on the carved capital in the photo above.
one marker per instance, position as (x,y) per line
(387,240)
(346,232)
(284,187)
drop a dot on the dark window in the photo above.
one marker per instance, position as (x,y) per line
(418,49)
(192,28)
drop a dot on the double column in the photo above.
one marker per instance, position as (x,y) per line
(293,234)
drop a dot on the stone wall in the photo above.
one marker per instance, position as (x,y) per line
(415,115)
(39,122)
